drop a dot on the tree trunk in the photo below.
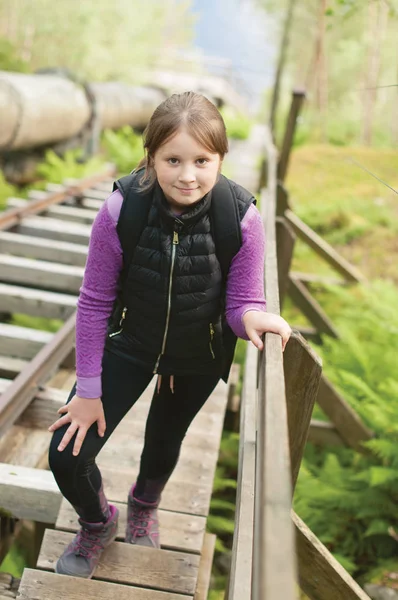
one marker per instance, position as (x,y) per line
(377,25)
(281,62)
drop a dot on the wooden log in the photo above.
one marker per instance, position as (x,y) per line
(321,577)
(133,565)
(324,434)
(323,249)
(205,565)
(41,274)
(42,585)
(346,421)
(37,303)
(285,240)
(310,307)
(43,249)
(302,369)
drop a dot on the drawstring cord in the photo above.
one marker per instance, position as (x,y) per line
(159,383)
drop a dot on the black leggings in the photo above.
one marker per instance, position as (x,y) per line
(170,415)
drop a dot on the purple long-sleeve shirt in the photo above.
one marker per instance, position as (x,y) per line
(245,288)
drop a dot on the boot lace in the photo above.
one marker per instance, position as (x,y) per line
(87,544)
(140,521)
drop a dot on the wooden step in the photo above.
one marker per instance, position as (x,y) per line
(164,570)
(178,531)
(41,585)
(67,253)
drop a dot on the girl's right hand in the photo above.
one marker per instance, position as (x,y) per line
(81,413)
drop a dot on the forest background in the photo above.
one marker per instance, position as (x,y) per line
(343,53)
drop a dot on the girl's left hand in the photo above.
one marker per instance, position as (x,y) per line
(256,323)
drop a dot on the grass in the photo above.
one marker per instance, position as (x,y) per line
(353,211)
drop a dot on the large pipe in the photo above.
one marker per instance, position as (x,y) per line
(43,109)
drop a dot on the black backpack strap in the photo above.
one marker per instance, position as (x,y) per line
(226,227)
(133,216)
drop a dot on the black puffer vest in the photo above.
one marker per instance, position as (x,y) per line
(170,311)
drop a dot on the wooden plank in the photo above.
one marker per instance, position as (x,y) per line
(63,212)
(178,531)
(309,333)
(37,303)
(323,249)
(318,279)
(346,421)
(302,369)
(310,307)
(29,493)
(22,342)
(10,367)
(41,274)
(134,565)
(240,576)
(205,566)
(43,249)
(42,585)
(21,446)
(324,434)
(321,576)
(54,229)
(274,561)
(285,240)
(178,496)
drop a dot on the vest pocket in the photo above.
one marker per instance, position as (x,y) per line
(211,328)
(111,335)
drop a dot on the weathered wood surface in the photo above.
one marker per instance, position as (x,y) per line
(41,274)
(205,566)
(321,576)
(302,369)
(240,577)
(322,248)
(43,249)
(310,307)
(324,434)
(134,565)
(36,303)
(346,421)
(63,212)
(285,239)
(179,531)
(55,229)
(42,585)
(22,342)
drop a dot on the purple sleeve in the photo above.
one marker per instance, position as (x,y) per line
(97,295)
(245,283)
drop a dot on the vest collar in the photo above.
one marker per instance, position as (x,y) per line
(189,217)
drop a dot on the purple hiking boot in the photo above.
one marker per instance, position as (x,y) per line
(81,557)
(142,522)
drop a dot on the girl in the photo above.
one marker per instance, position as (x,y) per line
(172,290)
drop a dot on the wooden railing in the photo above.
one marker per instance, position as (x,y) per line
(274,553)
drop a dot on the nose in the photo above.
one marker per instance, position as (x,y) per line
(187,174)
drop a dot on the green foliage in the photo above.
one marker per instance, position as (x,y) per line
(6,191)
(9,61)
(36,322)
(237,124)
(14,563)
(123,147)
(56,168)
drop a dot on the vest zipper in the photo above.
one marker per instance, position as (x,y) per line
(176,241)
(211,340)
(120,323)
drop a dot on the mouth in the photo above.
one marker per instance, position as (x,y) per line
(187,189)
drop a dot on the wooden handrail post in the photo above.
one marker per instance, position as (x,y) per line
(303,369)
(285,240)
(295,107)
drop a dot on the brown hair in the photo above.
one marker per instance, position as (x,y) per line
(191,110)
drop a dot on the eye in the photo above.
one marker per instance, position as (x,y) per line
(171,160)
(202,161)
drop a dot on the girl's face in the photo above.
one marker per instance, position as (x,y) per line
(185,170)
